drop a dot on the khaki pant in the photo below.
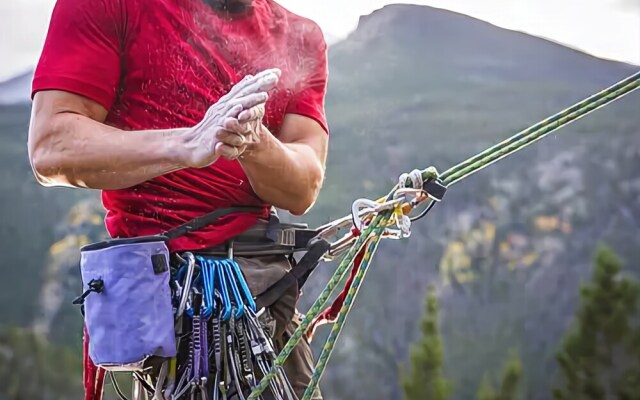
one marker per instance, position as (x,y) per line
(261,272)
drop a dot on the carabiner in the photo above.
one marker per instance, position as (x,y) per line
(184,296)
(237,298)
(222,287)
(355,210)
(243,284)
(208,286)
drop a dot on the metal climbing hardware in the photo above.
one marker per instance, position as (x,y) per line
(427,181)
(225,346)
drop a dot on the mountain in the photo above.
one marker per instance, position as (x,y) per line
(417,86)
(16,90)
(411,87)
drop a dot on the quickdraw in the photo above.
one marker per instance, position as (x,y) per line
(220,302)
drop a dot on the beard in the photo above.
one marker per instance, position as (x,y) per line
(230,6)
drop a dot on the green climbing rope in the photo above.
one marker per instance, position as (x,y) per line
(378,224)
(539,131)
(344,311)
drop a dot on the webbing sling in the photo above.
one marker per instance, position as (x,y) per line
(297,275)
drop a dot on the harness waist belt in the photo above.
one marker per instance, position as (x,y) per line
(266,237)
(270,237)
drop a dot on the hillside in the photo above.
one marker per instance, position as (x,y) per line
(412,87)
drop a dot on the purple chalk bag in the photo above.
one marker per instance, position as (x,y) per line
(129,317)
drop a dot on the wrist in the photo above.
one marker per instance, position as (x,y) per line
(177,147)
(262,144)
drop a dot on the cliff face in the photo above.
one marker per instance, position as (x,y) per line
(508,248)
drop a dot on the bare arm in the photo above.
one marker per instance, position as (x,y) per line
(288,171)
(69,144)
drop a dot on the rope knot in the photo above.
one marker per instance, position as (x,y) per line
(416,178)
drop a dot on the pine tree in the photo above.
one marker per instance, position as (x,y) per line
(425,381)
(600,356)
(511,376)
(486,390)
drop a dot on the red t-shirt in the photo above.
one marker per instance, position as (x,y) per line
(160,65)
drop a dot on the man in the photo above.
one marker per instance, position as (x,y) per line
(145,100)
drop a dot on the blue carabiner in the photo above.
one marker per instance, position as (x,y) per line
(211,286)
(243,284)
(208,279)
(237,298)
(222,286)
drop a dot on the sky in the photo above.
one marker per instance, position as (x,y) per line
(604,28)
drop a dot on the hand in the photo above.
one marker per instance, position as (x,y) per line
(242,130)
(208,140)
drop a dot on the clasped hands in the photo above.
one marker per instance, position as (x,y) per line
(232,124)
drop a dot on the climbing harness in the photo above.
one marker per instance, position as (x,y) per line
(207,339)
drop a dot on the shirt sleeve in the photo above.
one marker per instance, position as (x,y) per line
(81,52)
(309,97)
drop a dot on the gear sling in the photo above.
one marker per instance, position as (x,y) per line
(186,325)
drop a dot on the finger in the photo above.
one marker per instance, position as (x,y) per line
(231,138)
(254,113)
(249,80)
(263,84)
(229,152)
(232,109)
(234,126)
(246,102)
(223,108)
(244,86)
(267,72)
(239,86)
